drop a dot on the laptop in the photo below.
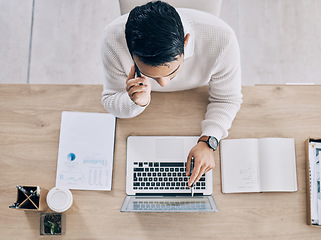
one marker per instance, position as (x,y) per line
(156,178)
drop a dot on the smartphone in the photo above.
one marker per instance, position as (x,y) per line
(137,71)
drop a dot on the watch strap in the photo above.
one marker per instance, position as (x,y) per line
(206,139)
(203,139)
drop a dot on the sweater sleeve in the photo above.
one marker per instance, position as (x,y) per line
(114,96)
(225,97)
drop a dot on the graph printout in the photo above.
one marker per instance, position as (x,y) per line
(86,148)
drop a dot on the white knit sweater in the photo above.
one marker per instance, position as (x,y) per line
(211,58)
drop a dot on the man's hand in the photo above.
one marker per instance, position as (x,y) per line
(138,88)
(203,161)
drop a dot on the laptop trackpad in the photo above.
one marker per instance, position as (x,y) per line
(169,148)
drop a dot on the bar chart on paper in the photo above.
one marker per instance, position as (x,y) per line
(86,147)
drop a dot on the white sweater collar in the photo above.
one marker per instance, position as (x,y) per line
(189,49)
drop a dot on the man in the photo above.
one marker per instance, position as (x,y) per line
(159,48)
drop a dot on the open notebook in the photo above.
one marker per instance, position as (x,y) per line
(258,165)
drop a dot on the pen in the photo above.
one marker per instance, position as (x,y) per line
(23,190)
(192,167)
(15,205)
(30,193)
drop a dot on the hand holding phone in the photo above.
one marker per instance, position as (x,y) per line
(138,87)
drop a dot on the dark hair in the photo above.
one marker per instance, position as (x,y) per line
(154,33)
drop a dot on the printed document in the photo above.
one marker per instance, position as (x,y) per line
(86,148)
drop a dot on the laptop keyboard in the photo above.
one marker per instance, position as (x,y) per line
(161,205)
(162,176)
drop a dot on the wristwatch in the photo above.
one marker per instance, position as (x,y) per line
(212,142)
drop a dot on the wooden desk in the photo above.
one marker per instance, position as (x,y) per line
(30,123)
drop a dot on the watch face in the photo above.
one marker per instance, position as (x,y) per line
(212,141)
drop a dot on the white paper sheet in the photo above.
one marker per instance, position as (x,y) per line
(86,149)
(240,169)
